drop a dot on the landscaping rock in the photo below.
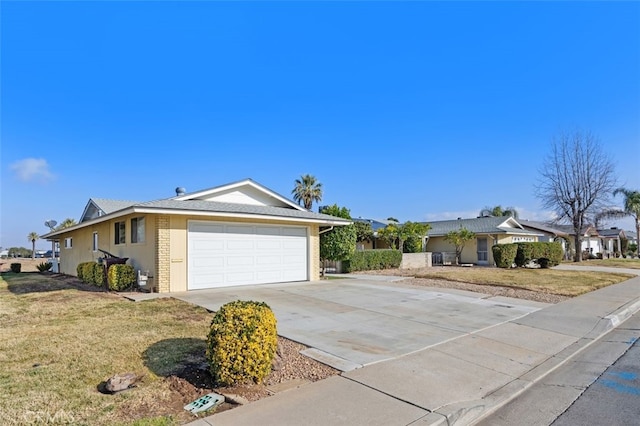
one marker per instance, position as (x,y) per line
(276,363)
(121,382)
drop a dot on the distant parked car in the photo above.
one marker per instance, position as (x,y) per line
(49,252)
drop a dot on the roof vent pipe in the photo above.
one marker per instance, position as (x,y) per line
(180,191)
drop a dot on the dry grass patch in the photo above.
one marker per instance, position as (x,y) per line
(612,263)
(60,341)
(566,283)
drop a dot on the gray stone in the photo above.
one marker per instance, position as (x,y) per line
(121,382)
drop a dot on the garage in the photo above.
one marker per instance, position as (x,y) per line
(231,254)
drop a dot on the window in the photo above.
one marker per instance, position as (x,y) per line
(137,230)
(120,234)
(68,243)
(95,241)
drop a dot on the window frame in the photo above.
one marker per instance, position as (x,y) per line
(68,243)
(94,241)
(120,233)
(138,224)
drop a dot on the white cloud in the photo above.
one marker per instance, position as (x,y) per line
(32,169)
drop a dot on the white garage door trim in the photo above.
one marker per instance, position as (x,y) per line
(229,254)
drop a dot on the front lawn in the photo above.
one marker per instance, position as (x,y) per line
(59,342)
(612,263)
(565,283)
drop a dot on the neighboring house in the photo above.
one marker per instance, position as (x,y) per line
(611,241)
(235,234)
(591,240)
(632,237)
(489,230)
(375,243)
(549,233)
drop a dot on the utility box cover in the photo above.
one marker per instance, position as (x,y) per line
(204,403)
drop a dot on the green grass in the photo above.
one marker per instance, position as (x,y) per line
(565,283)
(59,343)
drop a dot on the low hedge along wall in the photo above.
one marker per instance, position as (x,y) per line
(119,277)
(506,255)
(367,260)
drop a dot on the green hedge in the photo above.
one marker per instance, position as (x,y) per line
(16,267)
(367,260)
(504,254)
(91,273)
(121,277)
(533,251)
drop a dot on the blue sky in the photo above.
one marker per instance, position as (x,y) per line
(416,110)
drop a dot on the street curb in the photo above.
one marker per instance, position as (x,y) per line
(472,412)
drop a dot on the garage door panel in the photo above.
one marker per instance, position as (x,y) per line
(236,261)
(205,228)
(240,229)
(208,262)
(235,254)
(240,244)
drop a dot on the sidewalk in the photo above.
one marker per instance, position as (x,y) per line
(456,382)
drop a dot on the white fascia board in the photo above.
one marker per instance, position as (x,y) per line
(337,222)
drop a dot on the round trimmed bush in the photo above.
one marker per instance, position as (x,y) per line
(242,342)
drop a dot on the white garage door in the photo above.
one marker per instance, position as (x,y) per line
(237,254)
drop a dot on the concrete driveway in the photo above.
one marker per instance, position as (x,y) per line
(349,323)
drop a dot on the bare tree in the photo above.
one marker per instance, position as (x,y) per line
(576,180)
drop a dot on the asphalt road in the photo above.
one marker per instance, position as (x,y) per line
(614,399)
(600,386)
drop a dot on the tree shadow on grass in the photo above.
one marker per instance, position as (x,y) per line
(180,357)
(37,282)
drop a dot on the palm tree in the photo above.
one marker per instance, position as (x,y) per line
(499,211)
(307,190)
(631,208)
(33,236)
(66,223)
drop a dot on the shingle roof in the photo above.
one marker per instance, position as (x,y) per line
(110,206)
(480,225)
(546,227)
(232,208)
(610,232)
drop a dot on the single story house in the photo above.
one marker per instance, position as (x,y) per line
(591,241)
(235,234)
(611,241)
(489,230)
(550,233)
(375,243)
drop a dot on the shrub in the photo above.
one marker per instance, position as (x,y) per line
(413,244)
(16,267)
(121,277)
(504,254)
(87,272)
(543,262)
(98,277)
(367,260)
(44,266)
(242,342)
(532,251)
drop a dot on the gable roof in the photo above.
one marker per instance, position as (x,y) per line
(586,230)
(202,203)
(97,207)
(542,226)
(480,225)
(612,233)
(376,224)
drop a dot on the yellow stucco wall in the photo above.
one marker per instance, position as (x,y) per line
(470,251)
(141,255)
(164,252)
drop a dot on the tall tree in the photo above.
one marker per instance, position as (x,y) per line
(575,181)
(364,232)
(499,211)
(631,207)
(340,242)
(33,236)
(307,190)
(459,239)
